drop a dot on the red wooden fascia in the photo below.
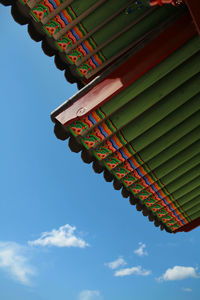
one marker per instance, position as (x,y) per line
(153,53)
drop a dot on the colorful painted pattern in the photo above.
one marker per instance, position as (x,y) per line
(157,193)
(92,63)
(44,8)
(71,37)
(127,166)
(120,158)
(112,144)
(114,161)
(82,50)
(98,134)
(143,184)
(80,126)
(60,21)
(65,17)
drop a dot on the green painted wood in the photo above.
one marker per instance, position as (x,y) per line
(189,196)
(151,77)
(177,171)
(190,204)
(155,154)
(181,188)
(179,180)
(183,179)
(183,182)
(162,109)
(187,188)
(180,163)
(152,143)
(115,26)
(139,29)
(178,151)
(188,213)
(162,171)
(79,6)
(102,13)
(195,215)
(193,210)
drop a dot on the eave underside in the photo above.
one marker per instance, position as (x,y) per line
(146,137)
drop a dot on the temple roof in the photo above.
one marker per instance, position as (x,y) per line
(140,126)
(86,37)
(137,115)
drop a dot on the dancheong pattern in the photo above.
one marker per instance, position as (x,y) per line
(57,23)
(98,134)
(97,131)
(71,37)
(94,61)
(44,8)
(55,15)
(80,126)
(111,145)
(60,21)
(127,166)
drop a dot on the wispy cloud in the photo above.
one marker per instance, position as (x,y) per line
(89,295)
(116,263)
(141,250)
(134,270)
(188,290)
(61,237)
(178,273)
(15,263)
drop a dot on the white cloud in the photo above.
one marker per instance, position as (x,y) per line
(14,262)
(116,263)
(188,290)
(134,270)
(89,295)
(178,273)
(63,237)
(140,251)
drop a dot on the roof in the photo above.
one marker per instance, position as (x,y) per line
(86,37)
(137,118)
(140,126)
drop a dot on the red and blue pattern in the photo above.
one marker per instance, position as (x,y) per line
(71,37)
(60,21)
(81,125)
(44,8)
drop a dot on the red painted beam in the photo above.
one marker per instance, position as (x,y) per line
(161,2)
(190,226)
(194,8)
(157,50)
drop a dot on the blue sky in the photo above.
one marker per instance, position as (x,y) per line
(65,233)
